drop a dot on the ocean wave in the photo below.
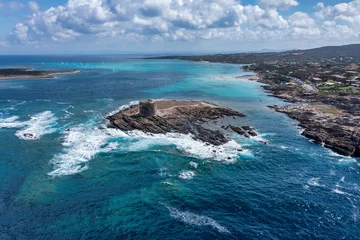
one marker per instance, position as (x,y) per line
(124,107)
(81,144)
(187,175)
(68,114)
(227,152)
(194,165)
(315,182)
(13,107)
(196,220)
(39,124)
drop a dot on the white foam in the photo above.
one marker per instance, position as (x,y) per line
(124,107)
(13,107)
(11,122)
(196,220)
(68,114)
(194,164)
(260,138)
(227,152)
(314,182)
(337,191)
(187,175)
(39,124)
(81,144)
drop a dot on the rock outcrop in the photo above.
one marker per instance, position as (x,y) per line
(187,117)
(334,129)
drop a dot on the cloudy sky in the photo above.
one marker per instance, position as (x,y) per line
(174,26)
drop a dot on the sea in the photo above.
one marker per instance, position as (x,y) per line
(65,175)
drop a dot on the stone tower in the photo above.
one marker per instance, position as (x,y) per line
(147,108)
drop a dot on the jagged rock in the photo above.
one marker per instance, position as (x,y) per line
(340,134)
(174,116)
(237,130)
(252,133)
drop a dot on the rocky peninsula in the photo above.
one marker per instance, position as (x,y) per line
(28,73)
(200,119)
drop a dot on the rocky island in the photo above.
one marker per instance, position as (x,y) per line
(200,119)
(28,73)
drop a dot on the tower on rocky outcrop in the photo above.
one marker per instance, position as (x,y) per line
(147,108)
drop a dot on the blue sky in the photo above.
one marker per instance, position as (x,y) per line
(159,26)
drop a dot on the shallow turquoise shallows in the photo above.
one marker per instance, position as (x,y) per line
(63,177)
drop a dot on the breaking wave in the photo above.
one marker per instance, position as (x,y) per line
(227,152)
(187,175)
(196,220)
(81,144)
(39,124)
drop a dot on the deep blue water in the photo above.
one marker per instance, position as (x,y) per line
(76,181)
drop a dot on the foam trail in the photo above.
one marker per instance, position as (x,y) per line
(81,144)
(194,219)
(39,124)
(227,152)
(11,122)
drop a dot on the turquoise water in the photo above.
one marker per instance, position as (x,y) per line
(71,179)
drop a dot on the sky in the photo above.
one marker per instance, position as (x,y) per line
(174,26)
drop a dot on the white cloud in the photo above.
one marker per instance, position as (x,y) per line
(184,20)
(301,20)
(347,12)
(34,6)
(281,4)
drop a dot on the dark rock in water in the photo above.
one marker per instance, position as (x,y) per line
(164,117)
(237,130)
(28,135)
(247,128)
(246,131)
(252,133)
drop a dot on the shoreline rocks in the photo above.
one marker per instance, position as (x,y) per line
(186,117)
(338,132)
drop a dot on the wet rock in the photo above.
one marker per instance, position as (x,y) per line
(252,133)
(29,135)
(174,116)
(237,130)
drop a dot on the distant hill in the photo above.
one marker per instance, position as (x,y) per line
(350,53)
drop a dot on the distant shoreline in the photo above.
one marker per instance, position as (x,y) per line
(24,74)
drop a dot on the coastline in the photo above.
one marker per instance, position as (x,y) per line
(324,124)
(43,75)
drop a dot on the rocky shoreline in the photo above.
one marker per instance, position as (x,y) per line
(186,117)
(330,120)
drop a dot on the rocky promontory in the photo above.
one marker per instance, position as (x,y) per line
(186,117)
(327,125)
